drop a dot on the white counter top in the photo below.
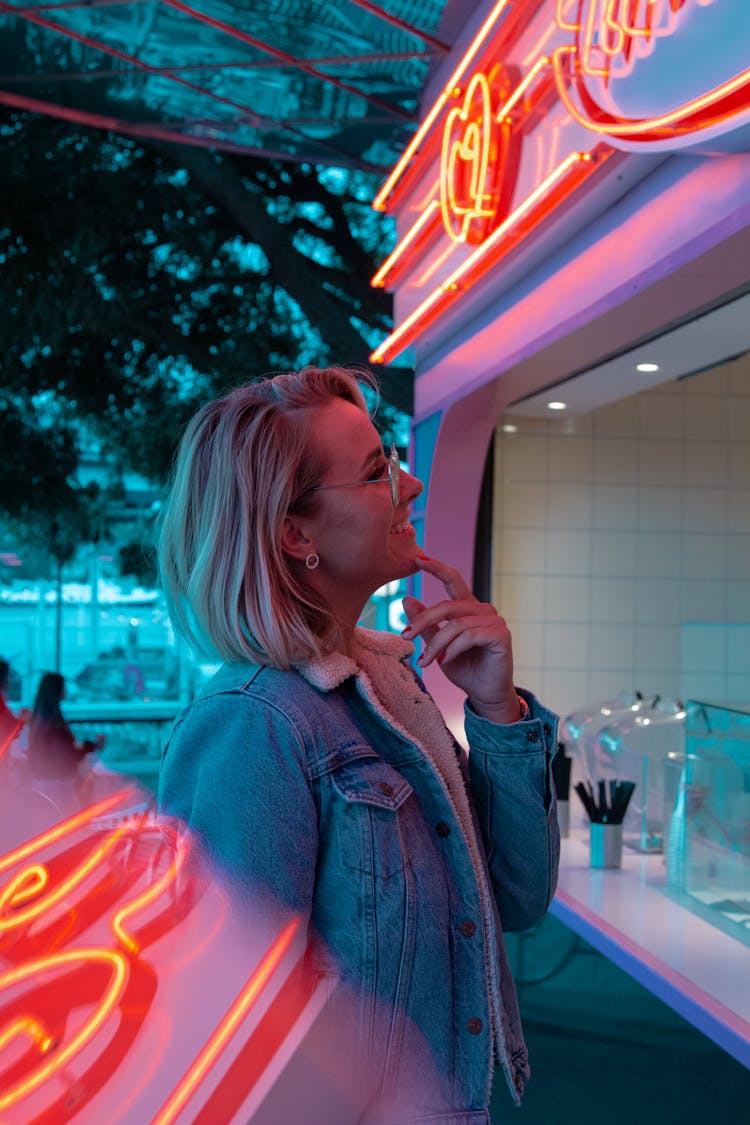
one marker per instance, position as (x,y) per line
(702,972)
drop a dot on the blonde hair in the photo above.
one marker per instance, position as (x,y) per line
(244,462)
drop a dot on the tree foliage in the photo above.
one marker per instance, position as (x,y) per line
(138,281)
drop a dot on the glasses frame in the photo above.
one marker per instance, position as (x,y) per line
(393,477)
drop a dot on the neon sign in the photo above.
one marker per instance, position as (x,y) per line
(591,87)
(75,1011)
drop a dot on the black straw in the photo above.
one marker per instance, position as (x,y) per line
(611,803)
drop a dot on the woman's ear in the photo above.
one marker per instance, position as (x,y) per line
(294,539)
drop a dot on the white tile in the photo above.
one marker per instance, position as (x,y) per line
(657,646)
(525,504)
(613,599)
(738,557)
(531,678)
(525,458)
(658,554)
(706,417)
(738,649)
(522,598)
(739,464)
(520,550)
(564,690)
(571,458)
(566,646)
(619,419)
(568,551)
(706,463)
(661,462)
(738,519)
(702,600)
(606,683)
(703,648)
(661,416)
(710,686)
(570,504)
(528,646)
(738,601)
(738,687)
(615,506)
(660,507)
(616,460)
(613,553)
(739,419)
(658,601)
(715,381)
(704,556)
(705,509)
(738,377)
(612,646)
(567,599)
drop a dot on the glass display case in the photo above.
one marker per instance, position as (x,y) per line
(707,813)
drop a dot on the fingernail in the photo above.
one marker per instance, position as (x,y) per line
(441,658)
(407,632)
(420,660)
(421,555)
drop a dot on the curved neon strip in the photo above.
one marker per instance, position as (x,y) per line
(424,219)
(62,1056)
(624,128)
(447,92)
(452,282)
(147,897)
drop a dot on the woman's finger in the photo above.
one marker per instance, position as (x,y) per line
(453,580)
(430,618)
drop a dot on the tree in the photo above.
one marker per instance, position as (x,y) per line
(139,281)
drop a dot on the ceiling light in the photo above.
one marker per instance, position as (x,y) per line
(509,428)
(556,405)
(647,367)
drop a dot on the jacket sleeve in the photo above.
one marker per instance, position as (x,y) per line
(510,777)
(233,771)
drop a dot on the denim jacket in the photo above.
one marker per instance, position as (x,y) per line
(304,786)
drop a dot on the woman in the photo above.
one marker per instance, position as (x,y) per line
(54,753)
(316,767)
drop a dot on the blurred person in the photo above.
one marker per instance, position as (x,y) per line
(54,753)
(317,769)
(10,723)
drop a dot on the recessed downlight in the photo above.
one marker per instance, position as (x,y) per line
(556,405)
(647,367)
(509,428)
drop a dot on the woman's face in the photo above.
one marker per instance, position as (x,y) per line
(362,540)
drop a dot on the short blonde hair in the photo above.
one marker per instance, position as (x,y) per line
(244,462)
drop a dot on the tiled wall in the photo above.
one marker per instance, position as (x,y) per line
(614,529)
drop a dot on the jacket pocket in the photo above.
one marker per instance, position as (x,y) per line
(370,795)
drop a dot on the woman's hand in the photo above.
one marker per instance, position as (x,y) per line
(470,641)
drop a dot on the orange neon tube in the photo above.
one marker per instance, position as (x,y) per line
(62,1055)
(562,56)
(452,282)
(147,897)
(64,828)
(428,216)
(447,92)
(224,1031)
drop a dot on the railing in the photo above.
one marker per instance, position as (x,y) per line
(134,734)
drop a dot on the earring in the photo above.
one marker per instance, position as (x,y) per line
(312,560)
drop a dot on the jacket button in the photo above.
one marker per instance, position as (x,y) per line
(474,1026)
(386,788)
(532,736)
(442,828)
(468,928)
(547,729)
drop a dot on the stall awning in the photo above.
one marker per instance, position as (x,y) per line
(333,82)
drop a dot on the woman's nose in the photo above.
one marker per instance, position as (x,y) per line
(409,487)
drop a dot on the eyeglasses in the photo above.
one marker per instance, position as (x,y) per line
(393,476)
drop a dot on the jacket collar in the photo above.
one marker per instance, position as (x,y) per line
(329,672)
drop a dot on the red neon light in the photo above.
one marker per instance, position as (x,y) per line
(223,1033)
(569,175)
(62,1055)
